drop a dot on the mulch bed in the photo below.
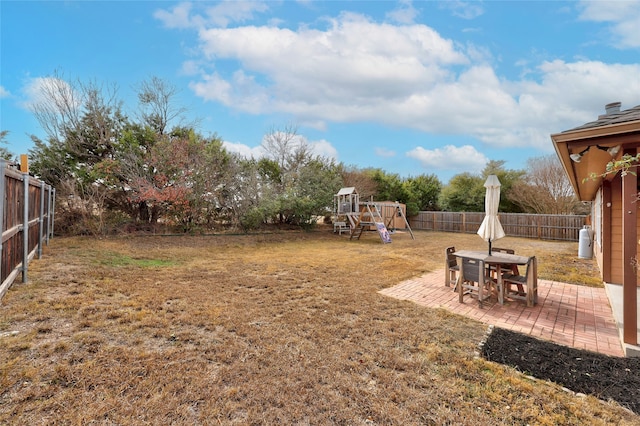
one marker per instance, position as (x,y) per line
(605,377)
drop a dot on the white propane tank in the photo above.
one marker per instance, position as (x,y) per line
(585,246)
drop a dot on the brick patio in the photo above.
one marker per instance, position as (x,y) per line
(568,314)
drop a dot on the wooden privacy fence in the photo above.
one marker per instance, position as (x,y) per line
(541,226)
(27,222)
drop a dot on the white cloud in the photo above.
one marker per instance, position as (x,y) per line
(49,90)
(244,150)
(226,12)
(4,93)
(624,17)
(178,17)
(213,88)
(405,13)
(241,92)
(464,9)
(321,148)
(449,157)
(220,15)
(357,70)
(324,149)
(306,69)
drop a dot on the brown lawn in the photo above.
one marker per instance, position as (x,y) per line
(282,328)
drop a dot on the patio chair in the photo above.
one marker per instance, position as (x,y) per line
(451,268)
(527,284)
(471,271)
(505,268)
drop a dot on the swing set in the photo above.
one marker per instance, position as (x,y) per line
(357,217)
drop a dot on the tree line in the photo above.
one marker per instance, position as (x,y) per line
(114,170)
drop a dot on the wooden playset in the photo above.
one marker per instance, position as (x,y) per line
(357,217)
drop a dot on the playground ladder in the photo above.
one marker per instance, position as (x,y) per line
(369,216)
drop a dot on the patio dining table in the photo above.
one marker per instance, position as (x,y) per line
(498,260)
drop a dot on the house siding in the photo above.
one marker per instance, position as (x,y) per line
(616,232)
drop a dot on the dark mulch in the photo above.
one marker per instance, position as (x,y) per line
(582,371)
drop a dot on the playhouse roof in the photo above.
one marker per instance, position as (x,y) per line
(347,191)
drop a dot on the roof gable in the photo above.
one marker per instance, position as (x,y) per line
(594,145)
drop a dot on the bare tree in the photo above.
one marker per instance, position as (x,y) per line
(545,189)
(57,105)
(288,149)
(361,179)
(85,117)
(156,98)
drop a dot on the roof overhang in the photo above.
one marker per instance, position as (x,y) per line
(586,176)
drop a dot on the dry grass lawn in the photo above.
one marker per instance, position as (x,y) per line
(283,328)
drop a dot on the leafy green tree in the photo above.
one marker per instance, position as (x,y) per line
(208,176)
(82,122)
(423,192)
(179,177)
(389,186)
(49,161)
(4,151)
(508,178)
(418,193)
(92,143)
(319,180)
(465,192)
(297,178)
(249,193)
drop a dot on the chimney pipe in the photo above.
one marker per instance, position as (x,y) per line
(612,108)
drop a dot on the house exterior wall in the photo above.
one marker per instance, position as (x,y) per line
(615,232)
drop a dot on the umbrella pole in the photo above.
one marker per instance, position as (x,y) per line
(489,246)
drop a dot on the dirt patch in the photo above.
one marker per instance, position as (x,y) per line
(586,372)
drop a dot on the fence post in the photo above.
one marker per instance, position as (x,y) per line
(46,236)
(41,221)
(3,169)
(53,209)
(25,227)
(49,212)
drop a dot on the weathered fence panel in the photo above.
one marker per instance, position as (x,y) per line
(27,222)
(540,226)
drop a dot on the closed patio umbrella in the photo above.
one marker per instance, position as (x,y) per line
(491,229)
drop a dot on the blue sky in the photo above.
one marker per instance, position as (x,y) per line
(420,87)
